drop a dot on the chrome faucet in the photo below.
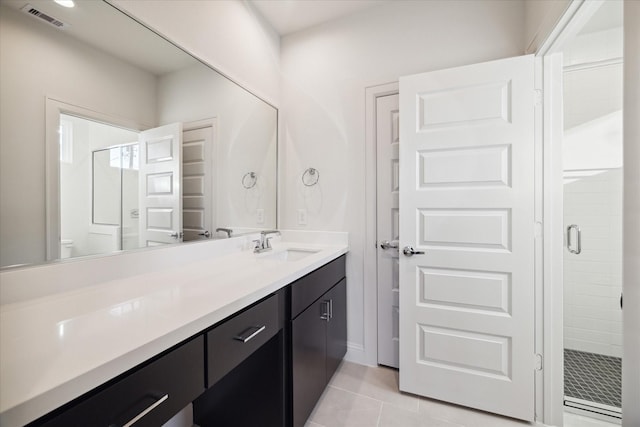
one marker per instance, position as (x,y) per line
(264,244)
(225,230)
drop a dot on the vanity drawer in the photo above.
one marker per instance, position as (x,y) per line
(306,290)
(158,390)
(231,342)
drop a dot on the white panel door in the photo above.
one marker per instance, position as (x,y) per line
(160,189)
(197,183)
(388,218)
(466,197)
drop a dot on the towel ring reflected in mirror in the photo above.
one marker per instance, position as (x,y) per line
(310,177)
(249,180)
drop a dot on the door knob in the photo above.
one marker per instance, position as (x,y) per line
(385,244)
(409,251)
(176,235)
(205,234)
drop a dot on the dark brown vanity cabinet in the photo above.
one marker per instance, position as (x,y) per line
(149,395)
(336,327)
(265,365)
(318,335)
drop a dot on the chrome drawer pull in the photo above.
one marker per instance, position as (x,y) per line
(250,333)
(146,411)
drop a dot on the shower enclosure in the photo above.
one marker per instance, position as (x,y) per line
(592,290)
(115,195)
(592,163)
(98,187)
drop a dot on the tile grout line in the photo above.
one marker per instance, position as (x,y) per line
(356,393)
(379,415)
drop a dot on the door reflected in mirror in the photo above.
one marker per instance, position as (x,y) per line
(107,69)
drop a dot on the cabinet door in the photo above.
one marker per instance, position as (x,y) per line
(336,327)
(308,360)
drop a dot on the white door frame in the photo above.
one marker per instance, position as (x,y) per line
(369,354)
(387,227)
(53,109)
(631,221)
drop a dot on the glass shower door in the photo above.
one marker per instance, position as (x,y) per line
(592,160)
(592,290)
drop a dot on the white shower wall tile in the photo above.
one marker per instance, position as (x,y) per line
(590,324)
(591,347)
(589,335)
(605,313)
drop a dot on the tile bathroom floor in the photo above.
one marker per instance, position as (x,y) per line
(363,396)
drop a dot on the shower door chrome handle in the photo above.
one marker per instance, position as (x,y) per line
(578,247)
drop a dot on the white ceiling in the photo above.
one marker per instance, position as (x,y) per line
(102,26)
(289,16)
(608,16)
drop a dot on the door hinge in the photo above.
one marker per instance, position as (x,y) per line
(537,362)
(537,97)
(538,230)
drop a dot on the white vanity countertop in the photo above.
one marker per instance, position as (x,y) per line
(57,347)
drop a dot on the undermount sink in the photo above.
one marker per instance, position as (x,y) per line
(290,254)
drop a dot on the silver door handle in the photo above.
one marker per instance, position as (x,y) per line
(176,235)
(578,248)
(409,251)
(205,234)
(385,244)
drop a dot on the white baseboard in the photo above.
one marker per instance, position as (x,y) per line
(356,354)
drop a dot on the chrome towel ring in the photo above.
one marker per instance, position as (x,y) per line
(310,177)
(249,180)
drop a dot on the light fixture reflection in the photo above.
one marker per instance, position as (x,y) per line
(65,3)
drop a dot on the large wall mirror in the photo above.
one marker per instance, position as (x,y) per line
(112,138)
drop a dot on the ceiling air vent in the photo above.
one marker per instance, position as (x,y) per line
(48,19)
